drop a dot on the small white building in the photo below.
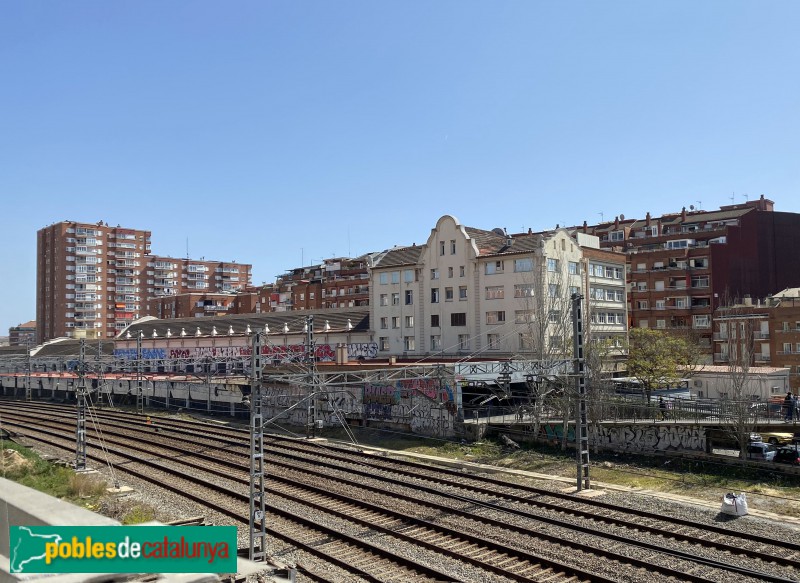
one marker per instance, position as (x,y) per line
(763,382)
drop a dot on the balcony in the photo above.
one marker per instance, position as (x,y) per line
(761,335)
(762,358)
(720,357)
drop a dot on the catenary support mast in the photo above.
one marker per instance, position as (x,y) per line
(581,425)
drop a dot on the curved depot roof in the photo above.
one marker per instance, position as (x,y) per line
(355,320)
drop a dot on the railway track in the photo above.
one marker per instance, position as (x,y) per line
(480,540)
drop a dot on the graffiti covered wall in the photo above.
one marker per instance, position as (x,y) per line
(636,438)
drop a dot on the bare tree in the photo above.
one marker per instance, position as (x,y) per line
(545,321)
(737,324)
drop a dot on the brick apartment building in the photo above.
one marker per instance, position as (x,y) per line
(683,266)
(22,334)
(88,279)
(768,331)
(93,280)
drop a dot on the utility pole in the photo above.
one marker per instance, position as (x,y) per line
(28,380)
(80,430)
(581,425)
(209,360)
(311,363)
(139,374)
(258,528)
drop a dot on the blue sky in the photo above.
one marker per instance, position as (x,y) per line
(279,133)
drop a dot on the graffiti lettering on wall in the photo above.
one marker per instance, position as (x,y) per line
(378,411)
(381,395)
(147,353)
(638,438)
(651,438)
(286,354)
(362,350)
(211,351)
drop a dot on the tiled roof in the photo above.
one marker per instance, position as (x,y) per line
(72,347)
(337,318)
(490,243)
(399,256)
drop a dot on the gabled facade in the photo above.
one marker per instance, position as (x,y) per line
(472,292)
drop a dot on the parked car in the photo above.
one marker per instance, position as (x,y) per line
(787,455)
(772,409)
(761,451)
(776,437)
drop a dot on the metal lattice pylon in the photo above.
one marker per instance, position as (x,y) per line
(257,522)
(80,430)
(581,425)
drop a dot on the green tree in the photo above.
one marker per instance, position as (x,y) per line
(659,359)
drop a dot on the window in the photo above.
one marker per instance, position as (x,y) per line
(449,272)
(641,286)
(461,271)
(408,275)
(553,290)
(435,295)
(383,278)
(641,305)
(702,321)
(552,265)
(395,277)
(495,317)
(396,299)
(522,317)
(395,322)
(409,321)
(525,342)
(441,248)
(660,304)
(436,342)
(495,292)
(448,294)
(458,319)
(408,343)
(383,343)
(574,290)
(463,341)
(462,292)
(434,274)
(452,247)
(574,268)
(384,300)
(556,340)
(659,286)
(384,323)
(617,235)
(787,347)
(493,267)
(434,320)
(493,341)
(523,290)
(525,264)
(554,316)
(409,297)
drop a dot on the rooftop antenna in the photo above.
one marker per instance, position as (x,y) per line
(733,195)
(601,217)
(187,247)
(746,197)
(699,205)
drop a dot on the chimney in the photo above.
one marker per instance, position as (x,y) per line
(748,301)
(585,227)
(616,223)
(647,220)
(683,214)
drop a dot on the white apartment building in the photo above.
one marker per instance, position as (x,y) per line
(472,292)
